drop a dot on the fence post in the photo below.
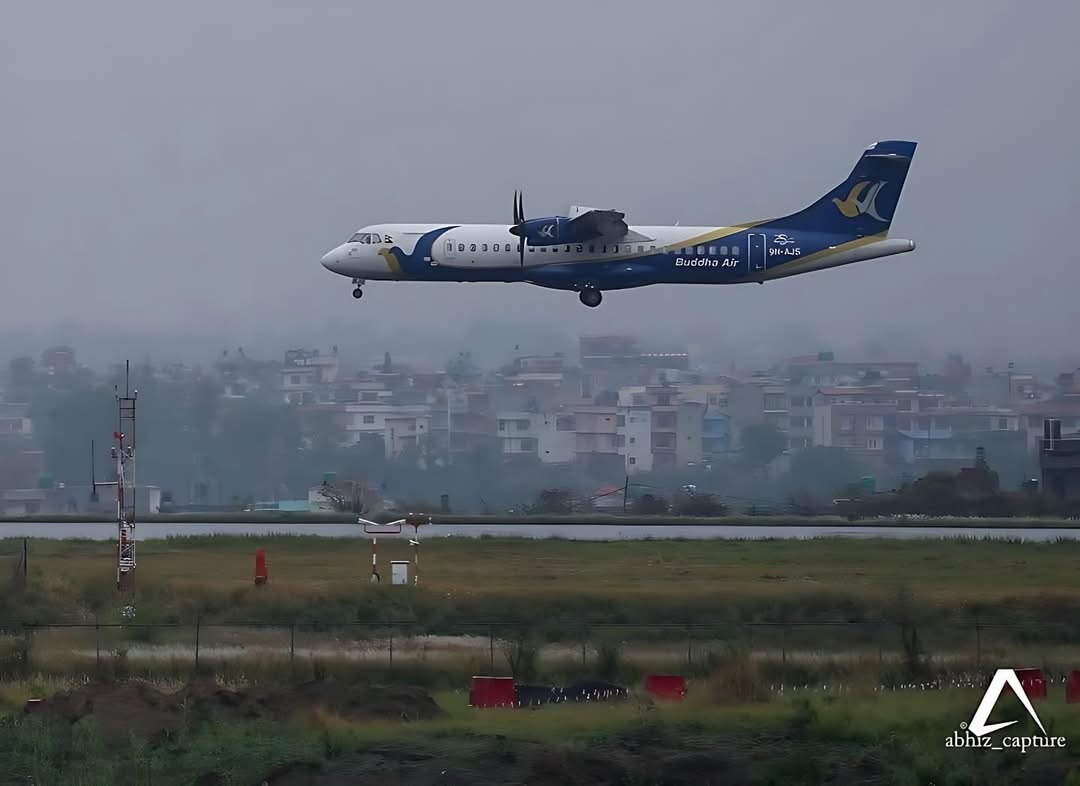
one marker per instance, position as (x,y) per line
(198,624)
(28,638)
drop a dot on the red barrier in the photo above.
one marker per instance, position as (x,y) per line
(666,686)
(1031,680)
(261,574)
(1072,687)
(492,692)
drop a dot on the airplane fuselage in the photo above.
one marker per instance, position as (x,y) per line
(659,255)
(591,250)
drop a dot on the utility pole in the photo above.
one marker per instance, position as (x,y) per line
(124,453)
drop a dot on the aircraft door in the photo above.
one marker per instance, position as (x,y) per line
(756,252)
(449,254)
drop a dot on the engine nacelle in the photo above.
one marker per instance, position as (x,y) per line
(549,231)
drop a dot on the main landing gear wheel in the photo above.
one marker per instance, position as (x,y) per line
(358,293)
(591,297)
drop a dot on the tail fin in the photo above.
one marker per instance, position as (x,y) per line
(864,203)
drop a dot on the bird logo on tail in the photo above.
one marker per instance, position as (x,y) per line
(859,203)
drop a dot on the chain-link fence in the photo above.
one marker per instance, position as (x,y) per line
(788,649)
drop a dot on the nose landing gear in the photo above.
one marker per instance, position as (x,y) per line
(358,292)
(591,297)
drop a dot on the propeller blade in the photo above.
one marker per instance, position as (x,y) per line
(517,218)
(521,250)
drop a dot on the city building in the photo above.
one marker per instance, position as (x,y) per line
(307,377)
(1059,462)
(549,437)
(860,419)
(402,427)
(598,446)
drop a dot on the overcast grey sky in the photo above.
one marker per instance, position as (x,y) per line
(185,165)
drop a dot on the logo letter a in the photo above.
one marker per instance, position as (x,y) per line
(1002,678)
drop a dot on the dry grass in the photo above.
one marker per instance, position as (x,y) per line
(953,571)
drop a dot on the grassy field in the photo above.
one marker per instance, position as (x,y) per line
(886,738)
(807,609)
(583,519)
(671,574)
(771,705)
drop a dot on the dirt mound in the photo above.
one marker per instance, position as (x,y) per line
(126,708)
(210,702)
(119,709)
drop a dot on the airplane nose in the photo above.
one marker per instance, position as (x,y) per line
(332,260)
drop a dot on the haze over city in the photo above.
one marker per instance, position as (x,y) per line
(173,177)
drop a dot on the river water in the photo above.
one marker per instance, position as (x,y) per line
(161,530)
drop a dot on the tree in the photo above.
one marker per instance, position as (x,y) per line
(22,377)
(701,505)
(650,505)
(553,501)
(822,472)
(761,443)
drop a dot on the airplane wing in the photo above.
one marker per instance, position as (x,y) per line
(590,223)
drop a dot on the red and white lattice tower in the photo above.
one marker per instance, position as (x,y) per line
(124,453)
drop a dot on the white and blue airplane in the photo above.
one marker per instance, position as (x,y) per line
(591,250)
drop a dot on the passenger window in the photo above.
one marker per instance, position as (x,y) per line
(640,249)
(543,249)
(567,249)
(472,246)
(712,250)
(723,250)
(701,250)
(460,246)
(626,249)
(614,249)
(734,251)
(508,247)
(449,247)
(483,247)
(578,249)
(592,249)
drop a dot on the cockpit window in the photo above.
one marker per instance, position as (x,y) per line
(375,238)
(361,237)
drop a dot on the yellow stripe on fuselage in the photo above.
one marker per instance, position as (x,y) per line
(391,261)
(794,267)
(715,234)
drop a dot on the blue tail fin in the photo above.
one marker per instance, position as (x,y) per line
(864,203)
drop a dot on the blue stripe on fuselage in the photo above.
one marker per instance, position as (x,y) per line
(623,271)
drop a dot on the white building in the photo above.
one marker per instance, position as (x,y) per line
(634,425)
(402,426)
(550,436)
(306,376)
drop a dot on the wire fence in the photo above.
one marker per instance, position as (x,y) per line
(494,646)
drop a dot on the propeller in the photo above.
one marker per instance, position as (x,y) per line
(519,219)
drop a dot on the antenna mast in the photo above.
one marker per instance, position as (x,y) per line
(124,453)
